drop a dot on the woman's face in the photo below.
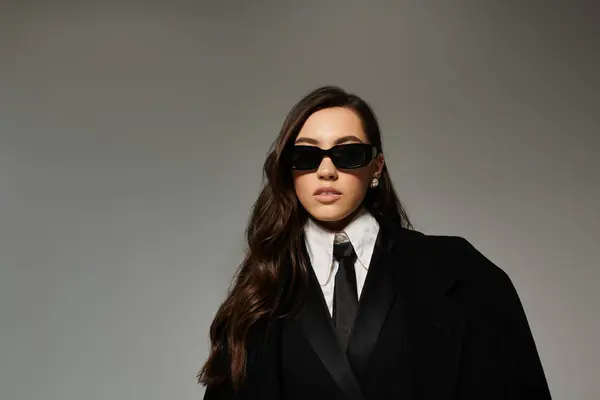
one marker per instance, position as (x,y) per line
(325,129)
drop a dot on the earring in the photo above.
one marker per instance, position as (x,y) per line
(374,182)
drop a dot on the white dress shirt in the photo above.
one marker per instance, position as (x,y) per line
(362,232)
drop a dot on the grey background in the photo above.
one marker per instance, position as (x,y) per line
(132,138)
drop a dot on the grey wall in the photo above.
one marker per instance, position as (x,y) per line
(131,145)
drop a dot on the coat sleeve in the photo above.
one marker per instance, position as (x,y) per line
(523,367)
(263,368)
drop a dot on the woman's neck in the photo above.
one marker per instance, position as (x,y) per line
(338,226)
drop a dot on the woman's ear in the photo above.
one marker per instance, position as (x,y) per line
(378,164)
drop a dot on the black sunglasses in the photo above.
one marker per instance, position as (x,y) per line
(343,156)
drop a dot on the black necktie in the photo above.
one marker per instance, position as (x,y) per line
(345,297)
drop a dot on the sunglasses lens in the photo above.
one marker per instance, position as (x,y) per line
(306,157)
(350,156)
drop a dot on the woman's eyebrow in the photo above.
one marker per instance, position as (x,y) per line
(348,138)
(343,139)
(306,140)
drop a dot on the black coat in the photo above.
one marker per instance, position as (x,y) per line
(436,320)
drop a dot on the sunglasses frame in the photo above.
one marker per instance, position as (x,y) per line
(329,153)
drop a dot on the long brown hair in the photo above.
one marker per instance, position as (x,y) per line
(274,235)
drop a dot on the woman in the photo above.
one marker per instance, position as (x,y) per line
(338,298)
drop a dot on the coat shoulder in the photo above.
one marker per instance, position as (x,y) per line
(458,253)
(457,257)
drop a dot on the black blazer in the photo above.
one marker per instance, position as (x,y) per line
(436,320)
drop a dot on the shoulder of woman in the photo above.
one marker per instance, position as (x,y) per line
(475,275)
(460,256)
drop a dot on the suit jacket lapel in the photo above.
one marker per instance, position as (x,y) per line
(378,295)
(320,332)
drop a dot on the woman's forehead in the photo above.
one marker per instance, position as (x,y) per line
(331,126)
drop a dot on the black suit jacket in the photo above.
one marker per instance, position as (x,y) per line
(436,320)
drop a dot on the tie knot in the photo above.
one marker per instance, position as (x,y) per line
(341,237)
(343,251)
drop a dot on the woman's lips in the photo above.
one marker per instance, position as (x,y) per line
(327,197)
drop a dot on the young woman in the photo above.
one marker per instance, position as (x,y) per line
(339,298)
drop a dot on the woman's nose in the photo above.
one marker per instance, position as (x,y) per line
(326,169)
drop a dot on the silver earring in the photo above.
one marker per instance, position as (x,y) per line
(374,182)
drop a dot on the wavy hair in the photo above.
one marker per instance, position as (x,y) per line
(274,237)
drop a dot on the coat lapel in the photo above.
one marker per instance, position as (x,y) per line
(319,330)
(378,295)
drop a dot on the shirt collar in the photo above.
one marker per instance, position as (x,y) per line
(362,232)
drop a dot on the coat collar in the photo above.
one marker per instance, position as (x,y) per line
(401,275)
